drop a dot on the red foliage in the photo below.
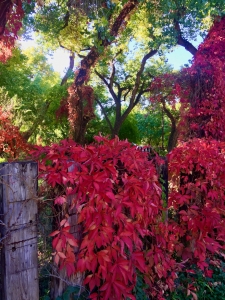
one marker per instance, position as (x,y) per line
(88,98)
(11,15)
(207,86)
(116,193)
(197,194)
(117,197)
(12,143)
(197,167)
(200,88)
(169,86)
(62,111)
(73,107)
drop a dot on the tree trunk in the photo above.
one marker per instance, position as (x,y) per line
(77,118)
(5,7)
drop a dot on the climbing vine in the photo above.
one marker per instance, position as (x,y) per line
(11,14)
(117,197)
(12,144)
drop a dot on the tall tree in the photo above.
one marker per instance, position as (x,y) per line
(90,32)
(78,92)
(123,90)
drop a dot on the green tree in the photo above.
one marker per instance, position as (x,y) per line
(35,92)
(154,128)
(126,84)
(153,27)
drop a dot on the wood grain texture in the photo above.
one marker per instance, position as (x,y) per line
(18,214)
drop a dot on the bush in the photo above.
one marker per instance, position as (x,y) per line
(194,284)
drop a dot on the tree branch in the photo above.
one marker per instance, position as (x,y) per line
(116,99)
(85,49)
(93,55)
(27,134)
(105,114)
(125,95)
(112,76)
(81,56)
(70,69)
(91,59)
(173,134)
(128,7)
(66,20)
(130,107)
(183,42)
(117,84)
(142,91)
(61,45)
(5,8)
(139,73)
(102,78)
(117,54)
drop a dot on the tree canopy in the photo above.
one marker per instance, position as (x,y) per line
(120,48)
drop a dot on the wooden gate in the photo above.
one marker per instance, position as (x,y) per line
(18,231)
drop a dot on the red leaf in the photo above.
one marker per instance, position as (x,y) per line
(61,255)
(54,233)
(93,296)
(60,200)
(110,195)
(139,260)
(72,242)
(70,269)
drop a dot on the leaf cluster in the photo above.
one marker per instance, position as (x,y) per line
(12,144)
(118,210)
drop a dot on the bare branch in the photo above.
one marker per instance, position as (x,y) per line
(142,92)
(183,42)
(81,56)
(117,54)
(61,45)
(70,69)
(139,73)
(174,133)
(117,84)
(116,99)
(125,95)
(85,49)
(112,75)
(102,78)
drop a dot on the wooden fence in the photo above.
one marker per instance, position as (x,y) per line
(18,231)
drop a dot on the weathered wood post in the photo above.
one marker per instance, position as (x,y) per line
(18,231)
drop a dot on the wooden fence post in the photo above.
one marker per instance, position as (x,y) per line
(18,231)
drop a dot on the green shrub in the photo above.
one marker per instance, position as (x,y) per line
(204,287)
